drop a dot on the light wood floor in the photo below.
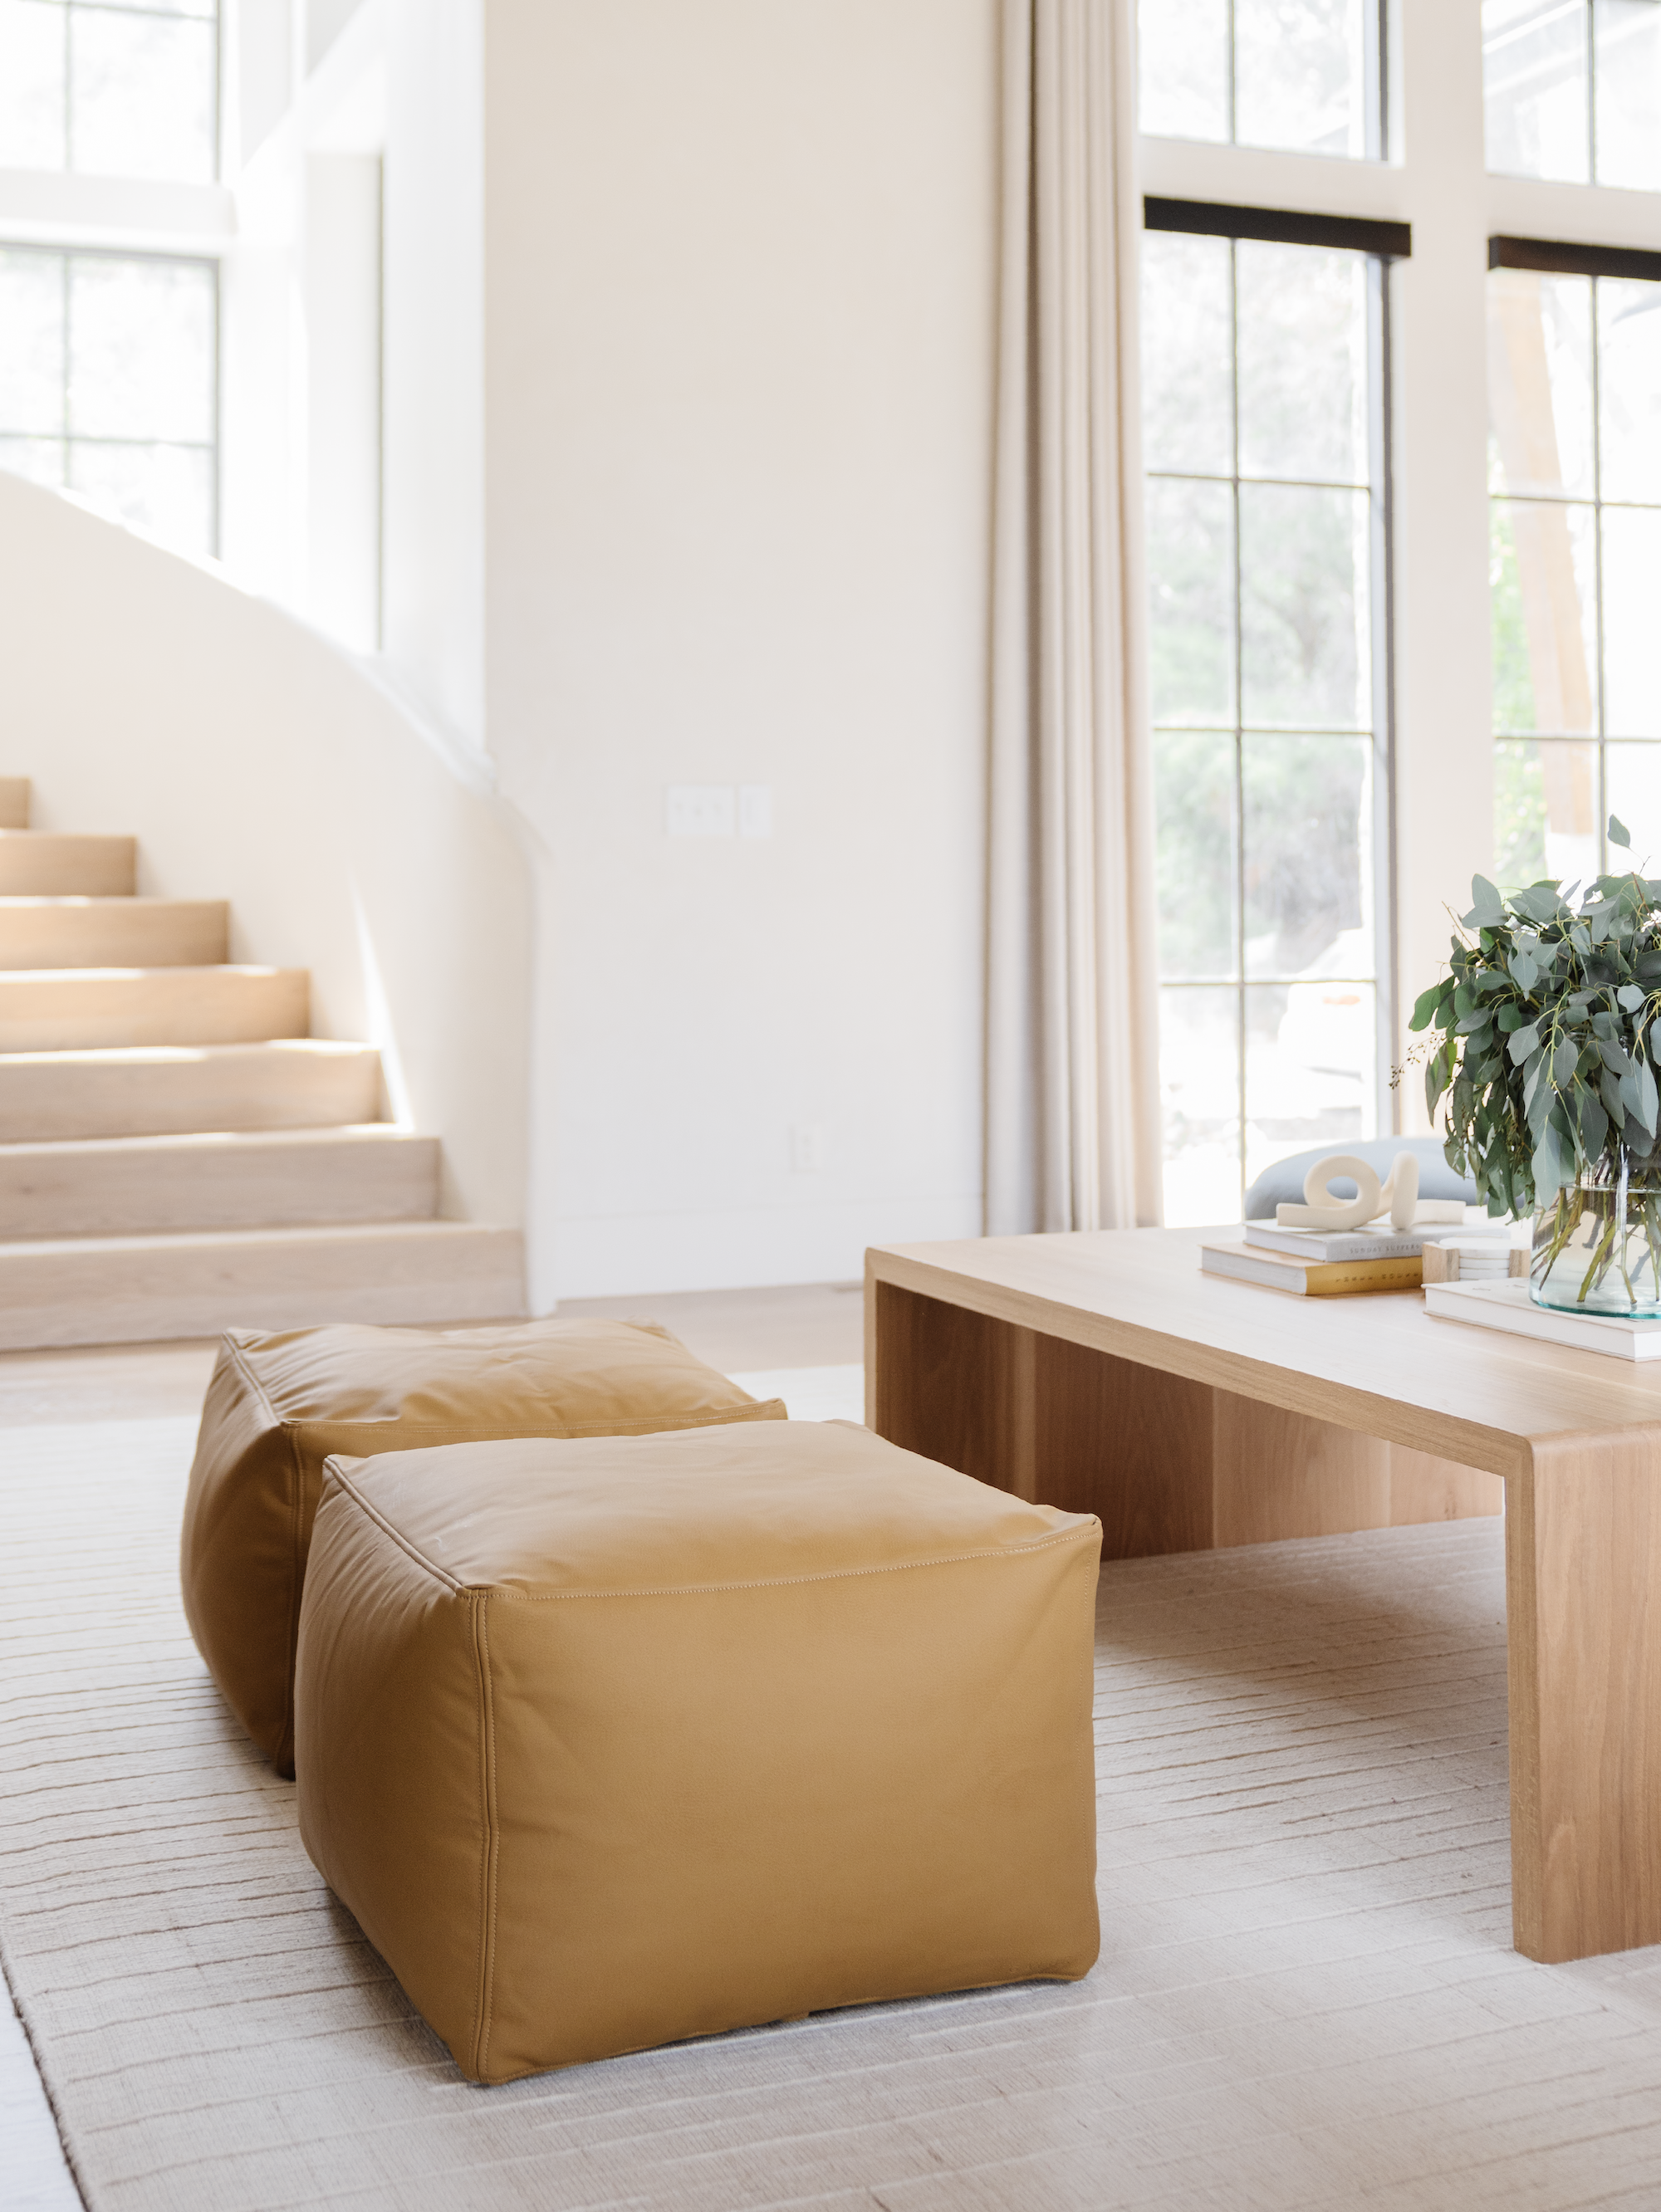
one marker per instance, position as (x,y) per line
(1307,2001)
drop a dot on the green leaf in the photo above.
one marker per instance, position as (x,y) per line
(1594,1125)
(1630,997)
(1610,1090)
(1647,1100)
(1425,1007)
(1564,1062)
(1523,972)
(1522,1043)
(1487,908)
(1619,833)
(1510,1016)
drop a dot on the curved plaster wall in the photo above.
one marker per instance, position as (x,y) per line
(256,763)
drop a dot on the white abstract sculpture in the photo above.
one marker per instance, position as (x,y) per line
(1398,1197)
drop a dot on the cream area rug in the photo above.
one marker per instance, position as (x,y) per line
(1306,1996)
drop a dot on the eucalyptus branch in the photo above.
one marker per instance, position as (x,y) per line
(1540,1037)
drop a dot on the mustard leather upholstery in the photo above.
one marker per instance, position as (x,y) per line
(614,1742)
(278,1405)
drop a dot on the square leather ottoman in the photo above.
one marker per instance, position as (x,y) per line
(611,1742)
(278,1405)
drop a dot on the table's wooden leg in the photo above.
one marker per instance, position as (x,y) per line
(1583,1596)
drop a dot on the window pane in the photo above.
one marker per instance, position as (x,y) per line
(1534,81)
(1629,386)
(1199,1084)
(1312,1067)
(1548,816)
(31,342)
(1543,571)
(1182,67)
(1626,60)
(205,8)
(1191,541)
(31,85)
(141,345)
(1188,421)
(166,490)
(1305,611)
(1307,855)
(143,102)
(1303,364)
(1194,781)
(1634,794)
(39,460)
(1632,615)
(1300,78)
(1540,384)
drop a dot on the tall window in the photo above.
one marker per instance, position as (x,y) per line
(111,87)
(1574,90)
(108,384)
(1300,74)
(1574,380)
(1264,441)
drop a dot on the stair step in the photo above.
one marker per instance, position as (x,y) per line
(63,1010)
(13,802)
(295,1083)
(39,864)
(140,1185)
(128,1289)
(112,933)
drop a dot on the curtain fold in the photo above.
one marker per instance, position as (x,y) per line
(1073,1138)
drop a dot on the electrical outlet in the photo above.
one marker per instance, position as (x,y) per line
(807,1148)
(700,809)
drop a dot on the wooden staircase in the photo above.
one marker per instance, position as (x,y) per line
(177,1155)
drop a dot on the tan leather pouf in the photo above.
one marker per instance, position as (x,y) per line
(278,1405)
(610,1743)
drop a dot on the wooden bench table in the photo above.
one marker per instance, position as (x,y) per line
(1103,1373)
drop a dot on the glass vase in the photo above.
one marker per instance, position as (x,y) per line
(1597,1250)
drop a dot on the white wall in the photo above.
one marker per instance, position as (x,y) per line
(738,307)
(256,763)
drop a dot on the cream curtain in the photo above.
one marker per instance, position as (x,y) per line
(1072,1027)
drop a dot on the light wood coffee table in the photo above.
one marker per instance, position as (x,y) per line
(1105,1374)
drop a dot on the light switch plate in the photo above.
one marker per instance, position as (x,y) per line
(700,809)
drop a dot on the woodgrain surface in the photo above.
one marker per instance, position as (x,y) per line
(1378,1364)
(1193,1412)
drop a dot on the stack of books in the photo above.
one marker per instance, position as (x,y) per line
(1318,1263)
(1507,1306)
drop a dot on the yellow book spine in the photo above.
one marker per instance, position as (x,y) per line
(1328,1279)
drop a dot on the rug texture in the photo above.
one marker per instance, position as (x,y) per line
(1307,1996)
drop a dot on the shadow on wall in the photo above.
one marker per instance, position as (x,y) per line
(256,763)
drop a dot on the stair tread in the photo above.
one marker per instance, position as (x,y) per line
(242,1141)
(70,976)
(117,902)
(234,1140)
(162,1055)
(210,1240)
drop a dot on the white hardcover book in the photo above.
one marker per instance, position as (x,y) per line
(1367,1243)
(1507,1306)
